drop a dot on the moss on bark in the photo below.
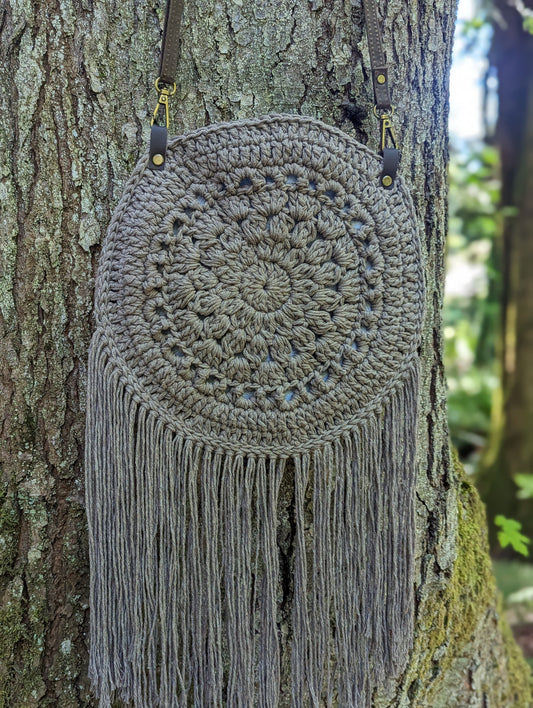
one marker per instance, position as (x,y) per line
(79,86)
(463,640)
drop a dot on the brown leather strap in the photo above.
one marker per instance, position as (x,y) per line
(158,147)
(380,77)
(383,108)
(170,49)
(391,160)
(169,63)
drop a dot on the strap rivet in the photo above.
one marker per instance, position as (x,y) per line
(158,159)
(381,78)
(387,181)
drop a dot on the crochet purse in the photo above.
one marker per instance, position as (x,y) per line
(258,310)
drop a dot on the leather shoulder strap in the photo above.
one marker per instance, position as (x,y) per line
(380,78)
(170,48)
(378,62)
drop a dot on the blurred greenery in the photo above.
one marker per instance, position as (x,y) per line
(515,581)
(473,314)
(512,576)
(528,24)
(525,484)
(472,311)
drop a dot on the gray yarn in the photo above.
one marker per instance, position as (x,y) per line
(258,304)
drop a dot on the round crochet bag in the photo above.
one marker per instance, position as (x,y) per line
(258,311)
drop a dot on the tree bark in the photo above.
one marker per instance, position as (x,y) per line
(77,92)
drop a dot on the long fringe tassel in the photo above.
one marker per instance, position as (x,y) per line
(185,579)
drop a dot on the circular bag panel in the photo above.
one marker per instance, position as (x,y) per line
(263,291)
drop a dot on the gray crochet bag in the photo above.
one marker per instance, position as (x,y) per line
(258,310)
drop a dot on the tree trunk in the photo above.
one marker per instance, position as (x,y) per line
(511,448)
(77,91)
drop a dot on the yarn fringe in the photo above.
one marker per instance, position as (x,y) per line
(185,570)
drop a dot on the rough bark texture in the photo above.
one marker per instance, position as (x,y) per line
(511,449)
(76,97)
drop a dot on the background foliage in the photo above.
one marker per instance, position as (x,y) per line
(488,313)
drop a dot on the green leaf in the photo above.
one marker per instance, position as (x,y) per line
(510,535)
(525,482)
(527,23)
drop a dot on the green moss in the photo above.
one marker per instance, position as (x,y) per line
(9,530)
(473,571)
(11,628)
(21,642)
(451,616)
(13,682)
(518,671)
(472,586)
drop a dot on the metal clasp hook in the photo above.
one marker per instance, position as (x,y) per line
(165,93)
(387,131)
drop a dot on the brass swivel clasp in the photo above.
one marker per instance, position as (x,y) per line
(165,92)
(388,138)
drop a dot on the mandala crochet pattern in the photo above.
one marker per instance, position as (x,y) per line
(266,290)
(258,309)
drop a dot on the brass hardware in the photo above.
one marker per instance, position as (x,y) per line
(381,78)
(387,131)
(381,113)
(159,89)
(164,95)
(387,181)
(158,159)
(163,101)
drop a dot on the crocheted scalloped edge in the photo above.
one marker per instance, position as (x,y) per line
(104,334)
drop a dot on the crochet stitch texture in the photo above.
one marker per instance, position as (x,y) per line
(258,312)
(281,290)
